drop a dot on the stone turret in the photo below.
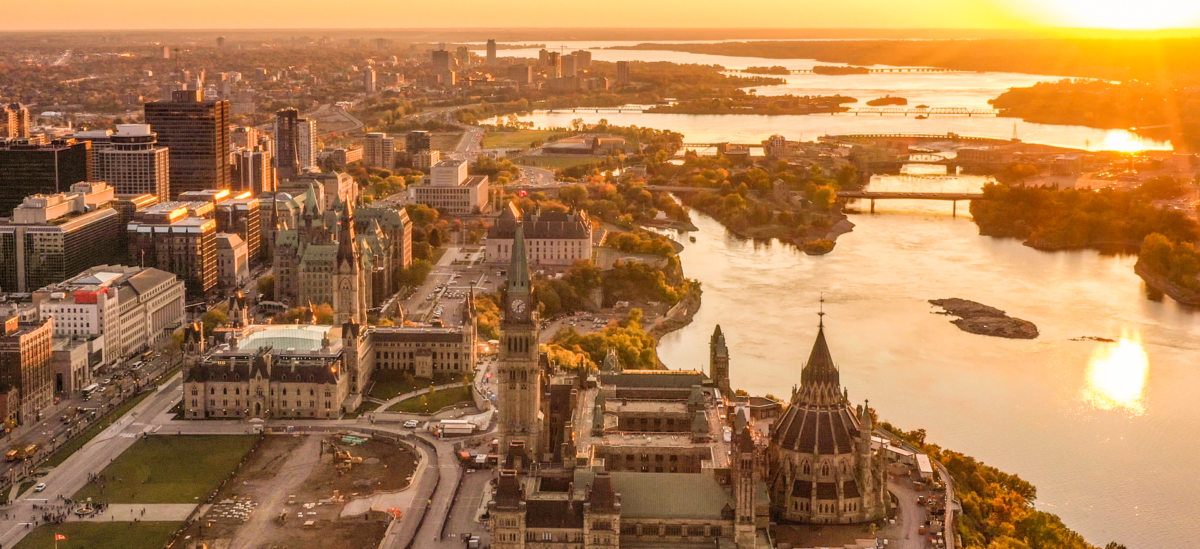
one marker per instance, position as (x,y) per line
(718,361)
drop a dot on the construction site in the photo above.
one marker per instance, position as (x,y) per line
(332,491)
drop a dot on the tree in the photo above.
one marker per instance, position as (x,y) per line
(435,239)
(324,314)
(266,287)
(214,318)
(573,195)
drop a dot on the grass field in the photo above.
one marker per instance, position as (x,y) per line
(391,384)
(101,535)
(554,162)
(169,469)
(66,450)
(439,400)
(519,139)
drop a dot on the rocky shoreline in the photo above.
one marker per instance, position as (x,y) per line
(977,318)
(1162,284)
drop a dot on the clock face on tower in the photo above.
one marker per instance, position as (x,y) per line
(518,306)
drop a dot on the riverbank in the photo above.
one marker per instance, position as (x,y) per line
(678,317)
(1163,285)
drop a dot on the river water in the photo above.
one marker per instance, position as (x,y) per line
(1106,431)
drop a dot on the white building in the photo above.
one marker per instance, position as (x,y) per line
(120,310)
(307,147)
(451,189)
(551,238)
(233,261)
(133,163)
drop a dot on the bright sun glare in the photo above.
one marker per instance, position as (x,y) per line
(1116,377)
(1123,14)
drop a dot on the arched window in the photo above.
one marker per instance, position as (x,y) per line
(825,469)
(807,468)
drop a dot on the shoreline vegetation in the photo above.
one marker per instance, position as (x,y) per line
(795,205)
(1171,268)
(998,510)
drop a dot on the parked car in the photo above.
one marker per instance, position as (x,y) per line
(411,424)
(41,486)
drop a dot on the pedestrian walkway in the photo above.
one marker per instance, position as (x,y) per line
(141,512)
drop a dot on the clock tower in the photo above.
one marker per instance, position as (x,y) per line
(519,374)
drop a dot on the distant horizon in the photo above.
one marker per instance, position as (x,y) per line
(472,15)
(646,33)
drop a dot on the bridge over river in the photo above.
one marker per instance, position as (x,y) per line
(849,195)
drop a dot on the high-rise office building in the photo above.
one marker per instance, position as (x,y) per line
(520,73)
(553,65)
(568,66)
(25,350)
(441,61)
(14,120)
(196,132)
(133,163)
(28,167)
(369,80)
(254,171)
(379,151)
(417,141)
(623,72)
(463,56)
(583,60)
(491,53)
(307,149)
(287,143)
(53,237)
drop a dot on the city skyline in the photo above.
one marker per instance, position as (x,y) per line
(474,14)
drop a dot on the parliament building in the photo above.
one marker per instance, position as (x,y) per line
(617,457)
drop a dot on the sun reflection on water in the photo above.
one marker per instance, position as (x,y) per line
(1116,377)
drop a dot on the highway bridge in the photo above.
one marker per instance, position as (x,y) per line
(935,111)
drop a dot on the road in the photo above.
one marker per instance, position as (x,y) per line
(72,475)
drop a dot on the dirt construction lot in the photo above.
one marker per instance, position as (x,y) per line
(290,495)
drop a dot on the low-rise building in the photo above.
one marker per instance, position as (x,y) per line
(70,365)
(180,238)
(233,261)
(551,238)
(451,189)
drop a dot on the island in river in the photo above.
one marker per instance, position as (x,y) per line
(977,318)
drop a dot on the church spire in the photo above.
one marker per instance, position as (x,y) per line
(519,280)
(820,381)
(345,252)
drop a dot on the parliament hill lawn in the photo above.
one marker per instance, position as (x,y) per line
(169,469)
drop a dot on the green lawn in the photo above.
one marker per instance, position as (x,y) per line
(101,535)
(66,450)
(554,162)
(170,469)
(391,384)
(514,140)
(439,400)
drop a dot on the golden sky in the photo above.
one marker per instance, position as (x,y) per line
(229,14)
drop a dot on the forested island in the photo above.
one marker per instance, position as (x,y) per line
(1167,112)
(1107,219)
(740,102)
(887,101)
(775,69)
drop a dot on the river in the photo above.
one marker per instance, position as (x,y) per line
(1106,431)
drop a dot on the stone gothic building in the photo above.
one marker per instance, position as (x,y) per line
(821,467)
(329,257)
